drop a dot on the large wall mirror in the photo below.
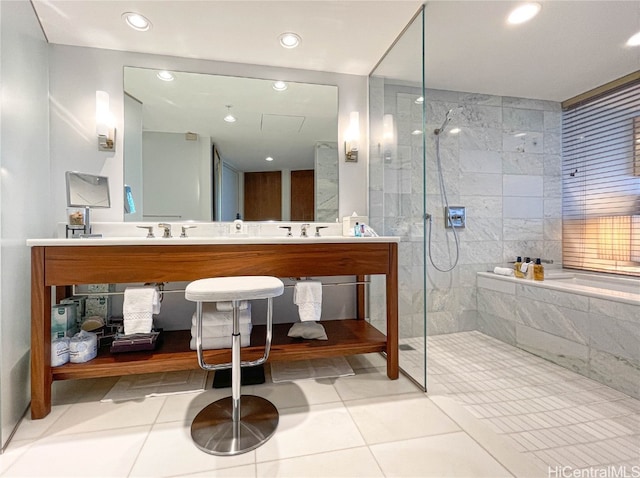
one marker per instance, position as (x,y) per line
(207,147)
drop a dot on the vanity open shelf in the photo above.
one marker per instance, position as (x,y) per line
(64,263)
(346,337)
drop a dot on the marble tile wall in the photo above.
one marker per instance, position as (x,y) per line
(503,166)
(595,337)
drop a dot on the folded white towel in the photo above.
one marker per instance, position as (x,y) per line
(137,309)
(224,306)
(221,330)
(212,317)
(503,271)
(220,342)
(307,295)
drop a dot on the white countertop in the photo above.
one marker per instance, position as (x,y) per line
(177,241)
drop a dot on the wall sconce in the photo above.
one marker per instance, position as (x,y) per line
(388,138)
(352,137)
(105,128)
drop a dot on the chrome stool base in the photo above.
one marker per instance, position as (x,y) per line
(214,431)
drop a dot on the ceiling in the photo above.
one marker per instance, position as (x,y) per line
(569,48)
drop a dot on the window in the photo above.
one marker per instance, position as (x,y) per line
(601,182)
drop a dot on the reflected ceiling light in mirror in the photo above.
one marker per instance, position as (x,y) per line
(280,86)
(523,13)
(268,158)
(289,40)
(416,132)
(229,118)
(166,75)
(634,40)
(136,21)
(419,100)
(454,130)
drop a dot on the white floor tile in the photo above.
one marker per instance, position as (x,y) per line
(186,406)
(247,471)
(407,416)
(452,455)
(30,429)
(169,451)
(95,454)
(372,382)
(352,463)
(93,416)
(299,393)
(308,430)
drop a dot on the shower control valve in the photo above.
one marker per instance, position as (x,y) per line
(455,216)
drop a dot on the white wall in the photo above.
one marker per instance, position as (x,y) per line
(172,168)
(24,194)
(76,73)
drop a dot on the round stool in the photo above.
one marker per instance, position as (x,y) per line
(224,427)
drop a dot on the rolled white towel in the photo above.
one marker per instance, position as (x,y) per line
(503,271)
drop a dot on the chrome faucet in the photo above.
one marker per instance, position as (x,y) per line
(303,230)
(167,229)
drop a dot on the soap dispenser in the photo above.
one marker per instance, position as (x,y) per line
(538,270)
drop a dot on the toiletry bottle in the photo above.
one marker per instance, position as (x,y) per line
(538,270)
(356,230)
(529,272)
(525,268)
(516,268)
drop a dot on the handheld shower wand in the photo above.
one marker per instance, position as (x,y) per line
(447,118)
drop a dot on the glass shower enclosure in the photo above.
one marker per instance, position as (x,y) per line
(397,186)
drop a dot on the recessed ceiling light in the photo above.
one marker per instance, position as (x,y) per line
(419,101)
(280,86)
(416,132)
(136,21)
(634,40)
(289,40)
(524,13)
(229,118)
(268,158)
(165,75)
(454,130)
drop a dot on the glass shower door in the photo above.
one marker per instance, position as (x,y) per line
(397,186)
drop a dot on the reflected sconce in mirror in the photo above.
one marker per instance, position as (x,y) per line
(388,138)
(105,128)
(352,137)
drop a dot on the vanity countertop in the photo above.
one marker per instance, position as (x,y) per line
(178,241)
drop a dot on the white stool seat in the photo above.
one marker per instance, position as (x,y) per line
(220,289)
(224,427)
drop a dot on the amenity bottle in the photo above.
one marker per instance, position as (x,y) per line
(516,268)
(538,270)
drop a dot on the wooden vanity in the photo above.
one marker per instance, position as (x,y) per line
(59,262)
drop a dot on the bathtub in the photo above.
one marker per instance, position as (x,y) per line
(587,322)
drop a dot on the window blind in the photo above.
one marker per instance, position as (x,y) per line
(601,183)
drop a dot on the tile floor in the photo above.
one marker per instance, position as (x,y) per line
(359,426)
(545,411)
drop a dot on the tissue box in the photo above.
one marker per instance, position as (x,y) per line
(349,222)
(80,301)
(63,321)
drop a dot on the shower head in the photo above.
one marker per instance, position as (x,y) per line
(450,114)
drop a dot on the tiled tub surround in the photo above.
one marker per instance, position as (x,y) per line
(504,166)
(589,327)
